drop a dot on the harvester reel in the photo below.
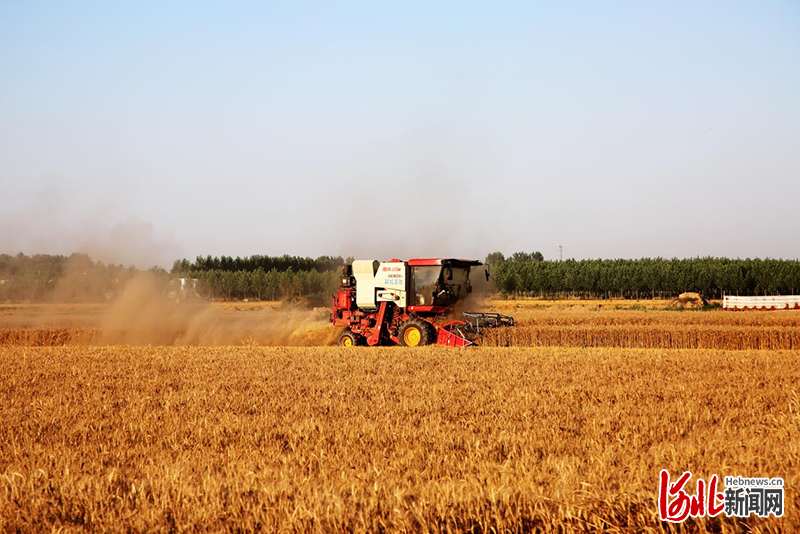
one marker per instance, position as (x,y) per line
(478,320)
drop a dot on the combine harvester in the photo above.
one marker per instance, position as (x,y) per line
(781,302)
(409,303)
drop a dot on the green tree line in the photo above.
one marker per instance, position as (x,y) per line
(259,284)
(74,278)
(645,278)
(78,278)
(251,263)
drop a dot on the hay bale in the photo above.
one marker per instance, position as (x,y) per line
(689,300)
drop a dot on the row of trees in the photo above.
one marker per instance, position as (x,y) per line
(310,285)
(75,278)
(320,264)
(498,257)
(78,278)
(644,278)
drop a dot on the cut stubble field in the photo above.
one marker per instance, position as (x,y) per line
(432,439)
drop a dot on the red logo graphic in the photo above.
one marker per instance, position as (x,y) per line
(683,505)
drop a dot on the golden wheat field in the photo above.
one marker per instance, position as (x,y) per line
(188,422)
(616,324)
(329,439)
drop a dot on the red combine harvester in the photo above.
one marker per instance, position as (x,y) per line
(408,303)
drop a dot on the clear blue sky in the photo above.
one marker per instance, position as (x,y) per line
(144,131)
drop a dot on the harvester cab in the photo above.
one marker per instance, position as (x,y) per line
(408,303)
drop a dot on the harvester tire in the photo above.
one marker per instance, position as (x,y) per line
(415,333)
(433,334)
(347,339)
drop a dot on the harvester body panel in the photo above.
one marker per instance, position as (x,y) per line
(378,282)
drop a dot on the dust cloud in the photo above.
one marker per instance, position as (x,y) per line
(476,300)
(46,225)
(144,315)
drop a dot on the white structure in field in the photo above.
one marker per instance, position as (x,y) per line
(182,288)
(781,302)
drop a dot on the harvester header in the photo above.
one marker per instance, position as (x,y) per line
(408,303)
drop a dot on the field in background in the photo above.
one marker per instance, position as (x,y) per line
(325,439)
(643,324)
(59,315)
(572,323)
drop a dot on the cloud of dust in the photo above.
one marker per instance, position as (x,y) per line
(82,280)
(475,301)
(443,200)
(131,241)
(143,315)
(47,225)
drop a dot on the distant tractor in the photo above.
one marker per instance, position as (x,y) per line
(408,303)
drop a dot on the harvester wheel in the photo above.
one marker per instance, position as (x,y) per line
(415,333)
(432,333)
(347,339)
